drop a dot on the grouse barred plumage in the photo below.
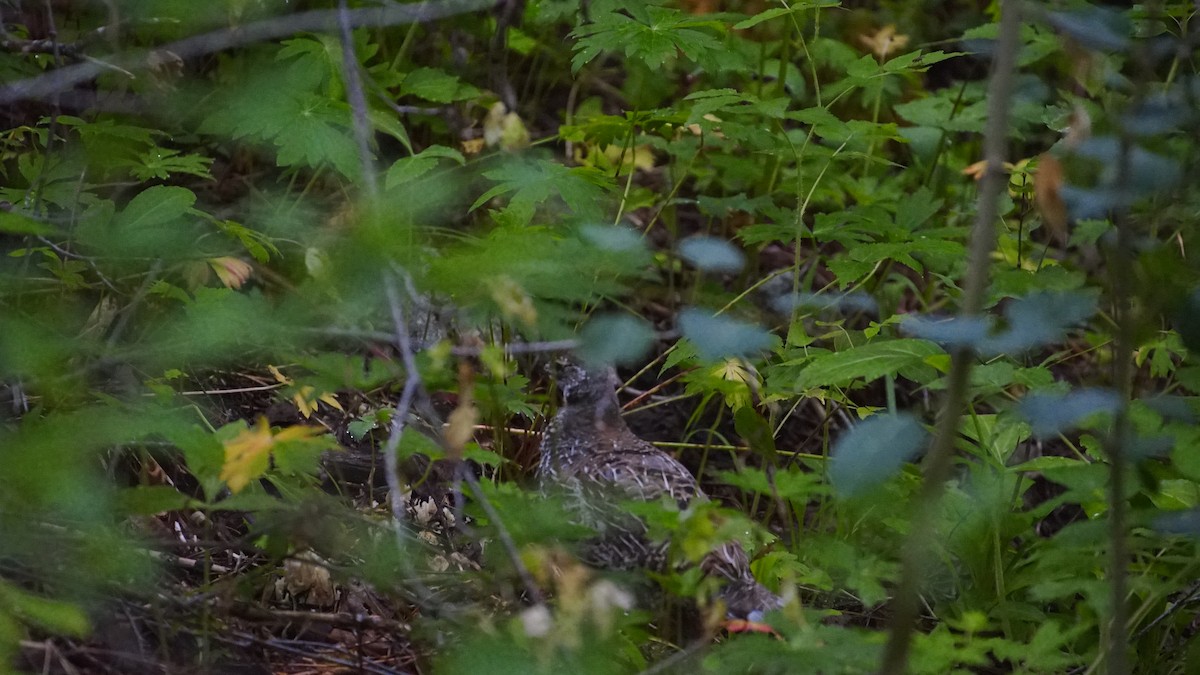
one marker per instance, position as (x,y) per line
(590,455)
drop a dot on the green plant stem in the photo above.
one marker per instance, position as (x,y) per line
(629,179)
(1116,649)
(939,461)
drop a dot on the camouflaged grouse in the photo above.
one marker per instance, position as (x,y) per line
(590,455)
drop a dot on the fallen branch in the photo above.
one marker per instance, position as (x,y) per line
(316,21)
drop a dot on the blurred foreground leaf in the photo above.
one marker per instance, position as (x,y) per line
(873,451)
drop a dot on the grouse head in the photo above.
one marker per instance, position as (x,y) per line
(583,385)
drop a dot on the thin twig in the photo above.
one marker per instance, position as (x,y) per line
(460,351)
(237,36)
(357,101)
(91,262)
(510,546)
(244,639)
(129,310)
(412,382)
(678,657)
(339,619)
(508,16)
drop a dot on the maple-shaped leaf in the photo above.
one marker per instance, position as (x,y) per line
(531,183)
(248,455)
(651,34)
(282,106)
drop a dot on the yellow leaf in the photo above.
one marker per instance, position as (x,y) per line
(976,170)
(460,427)
(884,41)
(472,146)
(638,157)
(513,301)
(505,129)
(278,375)
(306,401)
(233,272)
(248,455)
(736,371)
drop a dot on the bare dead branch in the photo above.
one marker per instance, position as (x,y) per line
(412,383)
(229,38)
(358,102)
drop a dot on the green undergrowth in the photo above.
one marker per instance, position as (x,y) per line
(766,208)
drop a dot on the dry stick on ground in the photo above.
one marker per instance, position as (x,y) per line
(316,652)
(335,619)
(938,463)
(228,38)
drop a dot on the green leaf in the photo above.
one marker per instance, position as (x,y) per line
(436,85)
(204,454)
(283,105)
(873,451)
(149,500)
(756,431)
(162,163)
(868,362)
(764,16)
(54,616)
(793,8)
(653,35)
(386,121)
(153,224)
(14,222)
(411,168)
(940,112)
(531,182)
(156,205)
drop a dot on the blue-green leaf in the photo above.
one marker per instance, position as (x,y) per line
(717,337)
(710,254)
(1100,29)
(874,450)
(615,338)
(1051,414)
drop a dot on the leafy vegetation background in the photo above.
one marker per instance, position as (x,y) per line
(908,284)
